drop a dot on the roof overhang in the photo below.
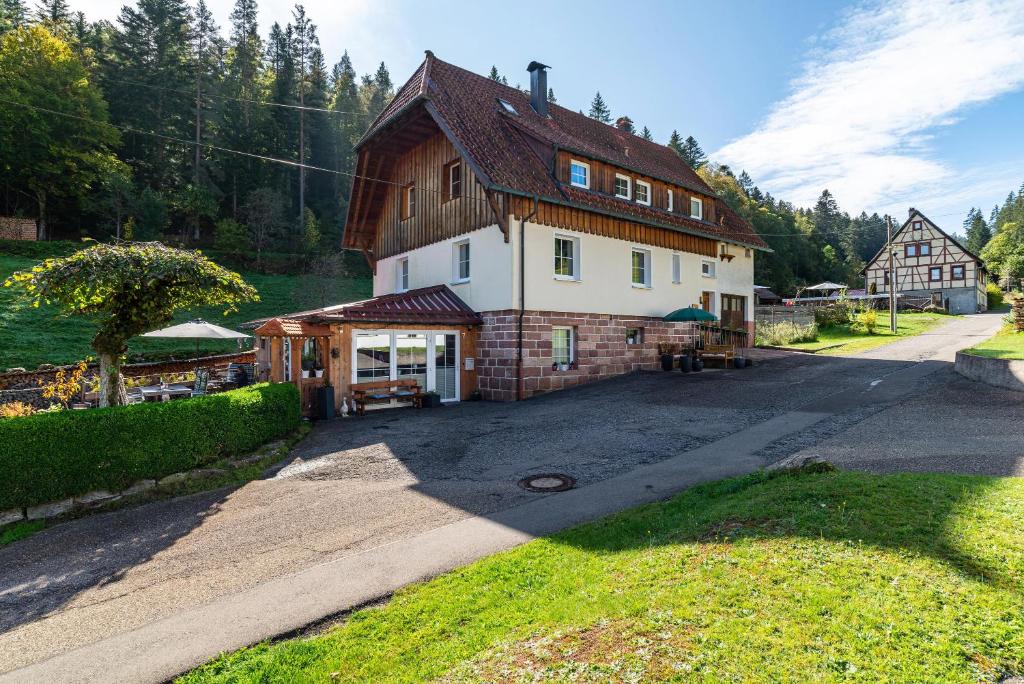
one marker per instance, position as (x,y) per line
(286,327)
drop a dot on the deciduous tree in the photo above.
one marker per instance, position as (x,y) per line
(128,290)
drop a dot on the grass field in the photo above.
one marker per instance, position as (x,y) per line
(844,339)
(817,576)
(29,337)
(1006,344)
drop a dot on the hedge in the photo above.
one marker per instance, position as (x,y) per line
(52,456)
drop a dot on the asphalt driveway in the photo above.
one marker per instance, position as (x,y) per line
(359,488)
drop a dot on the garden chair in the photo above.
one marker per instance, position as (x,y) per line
(202,380)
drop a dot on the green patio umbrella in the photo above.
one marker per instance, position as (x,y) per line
(690,314)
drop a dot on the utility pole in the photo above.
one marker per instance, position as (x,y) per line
(892,275)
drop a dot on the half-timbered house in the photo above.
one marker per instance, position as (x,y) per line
(568,238)
(929,264)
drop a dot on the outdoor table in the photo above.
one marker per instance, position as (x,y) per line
(157,392)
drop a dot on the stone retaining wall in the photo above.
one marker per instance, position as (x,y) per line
(997,372)
(601,350)
(15,228)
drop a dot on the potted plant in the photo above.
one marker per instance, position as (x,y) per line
(318,370)
(431,400)
(307,367)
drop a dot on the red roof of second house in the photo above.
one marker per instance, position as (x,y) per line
(435,305)
(495,140)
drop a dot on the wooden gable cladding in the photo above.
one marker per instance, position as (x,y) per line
(570,218)
(602,179)
(436,216)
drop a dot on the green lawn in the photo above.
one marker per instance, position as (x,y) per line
(818,576)
(844,339)
(29,337)
(1006,344)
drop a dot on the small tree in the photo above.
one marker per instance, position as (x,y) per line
(129,289)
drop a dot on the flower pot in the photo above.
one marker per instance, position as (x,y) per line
(318,372)
(739,362)
(685,363)
(431,400)
(305,373)
(698,365)
(667,360)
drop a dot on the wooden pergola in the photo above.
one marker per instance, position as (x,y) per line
(277,330)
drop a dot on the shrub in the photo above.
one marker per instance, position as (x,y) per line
(53,456)
(785,332)
(868,319)
(16,409)
(995,296)
(832,315)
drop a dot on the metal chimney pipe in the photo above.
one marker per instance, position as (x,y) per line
(539,87)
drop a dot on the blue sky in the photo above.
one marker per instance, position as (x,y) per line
(913,102)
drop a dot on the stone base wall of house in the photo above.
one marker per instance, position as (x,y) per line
(600,349)
(959,300)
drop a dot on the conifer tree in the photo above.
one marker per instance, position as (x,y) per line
(12,15)
(599,110)
(692,153)
(675,143)
(551,96)
(646,134)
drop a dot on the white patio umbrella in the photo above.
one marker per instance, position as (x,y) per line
(197,329)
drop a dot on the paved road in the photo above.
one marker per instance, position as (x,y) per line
(366,505)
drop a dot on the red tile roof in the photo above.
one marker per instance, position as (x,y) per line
(496,142)
(436,305)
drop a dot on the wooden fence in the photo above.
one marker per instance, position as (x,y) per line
(789,314)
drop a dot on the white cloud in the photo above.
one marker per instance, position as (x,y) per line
(860,119)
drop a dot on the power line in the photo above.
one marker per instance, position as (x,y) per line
(229,97)
(295,164)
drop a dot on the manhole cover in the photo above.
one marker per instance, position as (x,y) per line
(547,482)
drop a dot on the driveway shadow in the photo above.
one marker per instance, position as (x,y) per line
(468,458)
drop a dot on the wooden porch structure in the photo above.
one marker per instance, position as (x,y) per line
(279,356)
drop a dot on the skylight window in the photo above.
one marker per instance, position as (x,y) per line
(508,106)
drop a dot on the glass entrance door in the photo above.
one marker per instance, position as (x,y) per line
(411,358)
(446,366)
(430,358)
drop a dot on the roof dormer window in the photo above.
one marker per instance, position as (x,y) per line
(643,192)
(623,186)
(579,174)
(696,208)
(507,106)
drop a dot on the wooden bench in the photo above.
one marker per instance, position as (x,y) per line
(364,393)
(723,352)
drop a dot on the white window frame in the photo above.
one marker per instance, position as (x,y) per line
(586,168)
(671,200)
(572,343)
(646,186)
(451,181)
(710,271)
(629,186)
(393,362)
(575,242)
(507,106)
(402,275)
(677,268)
(457,262)
(699,204)
(648,276)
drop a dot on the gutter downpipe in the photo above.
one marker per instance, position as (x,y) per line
(522,294)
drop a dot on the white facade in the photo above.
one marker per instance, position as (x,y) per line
(603,274)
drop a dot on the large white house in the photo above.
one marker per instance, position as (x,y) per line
(568,238)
